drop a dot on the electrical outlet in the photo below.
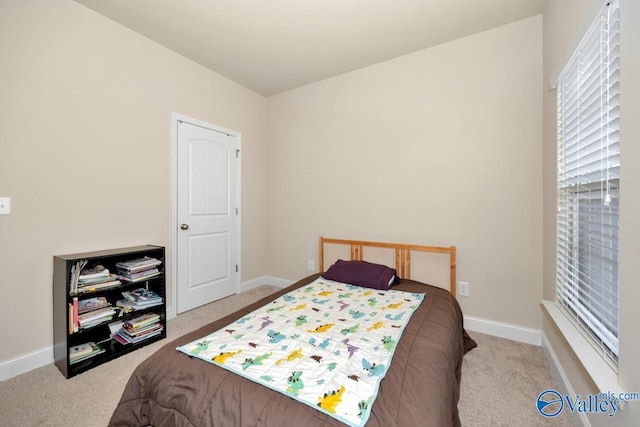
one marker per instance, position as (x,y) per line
(5,205)
(311,266)
(463,289)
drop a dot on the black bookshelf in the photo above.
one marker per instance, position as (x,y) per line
(65,292)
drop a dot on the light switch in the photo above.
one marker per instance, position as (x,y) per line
(5,205)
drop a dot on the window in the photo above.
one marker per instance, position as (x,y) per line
(588,183)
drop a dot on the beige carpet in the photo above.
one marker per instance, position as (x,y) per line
(501,380)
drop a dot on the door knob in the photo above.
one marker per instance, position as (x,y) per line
(184,226)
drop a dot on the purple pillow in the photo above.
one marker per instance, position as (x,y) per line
(362,273)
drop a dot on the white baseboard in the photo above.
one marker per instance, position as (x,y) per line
(44,356)
(26,363)
(561,376)
(265,280)
(503,330)
(170,312)
(477,324)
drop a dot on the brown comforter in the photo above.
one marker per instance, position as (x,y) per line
(421,387)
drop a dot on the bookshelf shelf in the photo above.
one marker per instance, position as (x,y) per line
(82,342)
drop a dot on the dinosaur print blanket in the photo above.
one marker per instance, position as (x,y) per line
(327,345)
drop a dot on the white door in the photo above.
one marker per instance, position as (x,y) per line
(207,235)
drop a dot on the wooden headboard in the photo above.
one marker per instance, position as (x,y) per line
(402,255)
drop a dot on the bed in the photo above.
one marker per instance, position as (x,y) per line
(421,385)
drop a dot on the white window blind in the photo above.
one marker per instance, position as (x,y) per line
(588,98)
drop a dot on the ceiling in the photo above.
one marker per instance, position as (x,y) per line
(271,46)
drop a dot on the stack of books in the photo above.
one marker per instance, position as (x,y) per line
(84,314)
(90,304)
(84,351)
(138,269)
(139,299)
(94,278)
(139,329)
(95,317)
(76,267)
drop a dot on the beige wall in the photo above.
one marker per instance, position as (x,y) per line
(85,150)
(442,146)
(564,23)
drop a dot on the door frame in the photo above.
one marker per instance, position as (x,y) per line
(175,118)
